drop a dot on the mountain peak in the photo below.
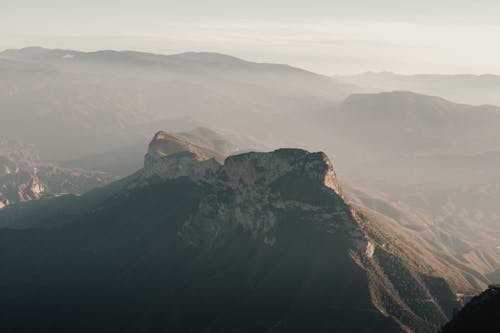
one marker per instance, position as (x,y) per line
(162,135)
(271,223)
(164,144)
(171,155)
(266,167)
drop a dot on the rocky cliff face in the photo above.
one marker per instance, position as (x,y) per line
(257,187)
(165,144)
(263,242)
(24,178)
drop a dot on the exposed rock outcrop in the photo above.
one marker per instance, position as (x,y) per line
(263,242)
(24,178)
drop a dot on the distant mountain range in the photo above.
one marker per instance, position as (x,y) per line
(469,89)
(265,242)
(402,135)
(435,158)
(108,99)
(420,169)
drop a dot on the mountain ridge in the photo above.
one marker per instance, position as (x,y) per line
(36,54)
(274,226)
(114,103)
(461,88)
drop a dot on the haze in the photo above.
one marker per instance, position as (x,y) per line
(329,37)
(259,166)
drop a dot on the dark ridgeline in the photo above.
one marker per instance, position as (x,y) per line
(481,314)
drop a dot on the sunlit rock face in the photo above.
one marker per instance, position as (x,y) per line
(264,168)
(179,164)
(269,195)
(24,178)
(268,235)
(165,144)
(259,188)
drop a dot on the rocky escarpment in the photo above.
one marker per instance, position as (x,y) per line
(187,159)
(24,178)
(165,144)
(254,191)
(263,242)
(258,187)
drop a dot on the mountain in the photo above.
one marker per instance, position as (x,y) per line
(126,160)
(209,139)
(164,144)
(23,177)
(420,165)
(465,247)
(264,242)
(427,123)
(116,99)
(50,213)
(479,315)
(469,89)
(427,164)
(402,138)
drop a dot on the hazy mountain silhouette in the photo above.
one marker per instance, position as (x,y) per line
(435,158)
(469,89)
(108,99)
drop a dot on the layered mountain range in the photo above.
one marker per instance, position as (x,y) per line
(427,164)
(263,242)
(420,172)
(107,100)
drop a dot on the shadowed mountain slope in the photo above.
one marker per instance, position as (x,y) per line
(479,315)
(264,242)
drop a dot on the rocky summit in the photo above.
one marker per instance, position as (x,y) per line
(164,144)
(262,242)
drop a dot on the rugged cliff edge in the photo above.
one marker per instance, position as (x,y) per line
(263,242)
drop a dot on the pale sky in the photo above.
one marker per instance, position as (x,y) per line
(325,36)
